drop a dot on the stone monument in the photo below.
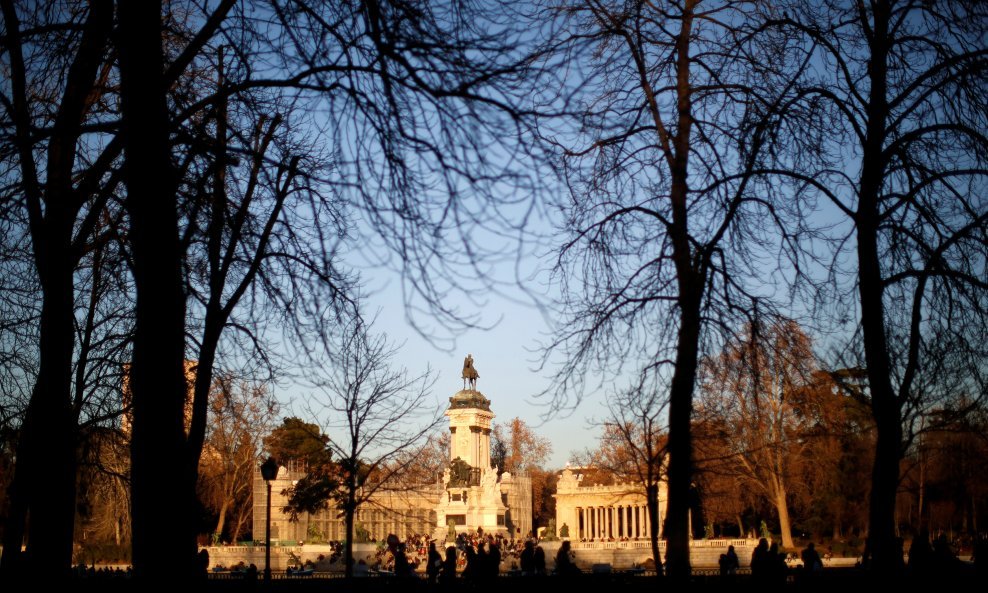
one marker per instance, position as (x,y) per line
(471,497)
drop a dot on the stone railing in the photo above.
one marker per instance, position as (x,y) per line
(645,543)
(628,545)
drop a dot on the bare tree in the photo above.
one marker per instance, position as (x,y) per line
(249,263)
(377,418)
(900,88)
(666,221)
(635,445)
(240,413)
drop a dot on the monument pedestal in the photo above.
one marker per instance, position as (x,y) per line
(472,505)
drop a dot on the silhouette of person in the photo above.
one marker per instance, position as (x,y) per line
(474,562)
(729,563)
(493,560)
(811,559)
(402,568)
(761,562)
(202,561)
(539,559)
(527,559)
(434,564)
(812,564)
(448,575)
(944,559)
(564,564)
(777,565)
(921,555)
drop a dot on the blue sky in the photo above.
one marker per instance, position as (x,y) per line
(505,356)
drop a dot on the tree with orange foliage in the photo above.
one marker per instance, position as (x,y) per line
(516,448)
(750,393)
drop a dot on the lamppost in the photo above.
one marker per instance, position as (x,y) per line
(269,471)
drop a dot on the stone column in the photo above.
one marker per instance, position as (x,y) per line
(645,530)
(475,433)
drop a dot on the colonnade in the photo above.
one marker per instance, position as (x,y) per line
(613,522)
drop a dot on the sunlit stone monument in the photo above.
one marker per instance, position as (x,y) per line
(471,497)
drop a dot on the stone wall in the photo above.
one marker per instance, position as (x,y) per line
(620,555)
(283,556)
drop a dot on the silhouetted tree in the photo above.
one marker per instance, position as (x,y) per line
(899,102)
(377,418)
(666,221)
(52,86)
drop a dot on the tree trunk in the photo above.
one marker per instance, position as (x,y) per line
(690,293)
(782,507)
(680,445)
(164,536)
(652,500)
(348,543)
(43,489)
(884,404)
(922,491)
(221,521)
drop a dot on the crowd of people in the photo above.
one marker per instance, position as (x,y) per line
(102,573)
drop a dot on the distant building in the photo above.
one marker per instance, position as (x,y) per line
(399,511)
(603,513)
(470,496)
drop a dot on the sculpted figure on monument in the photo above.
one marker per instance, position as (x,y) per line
(459,473)
(470,374)
(550,530)
(489,482)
